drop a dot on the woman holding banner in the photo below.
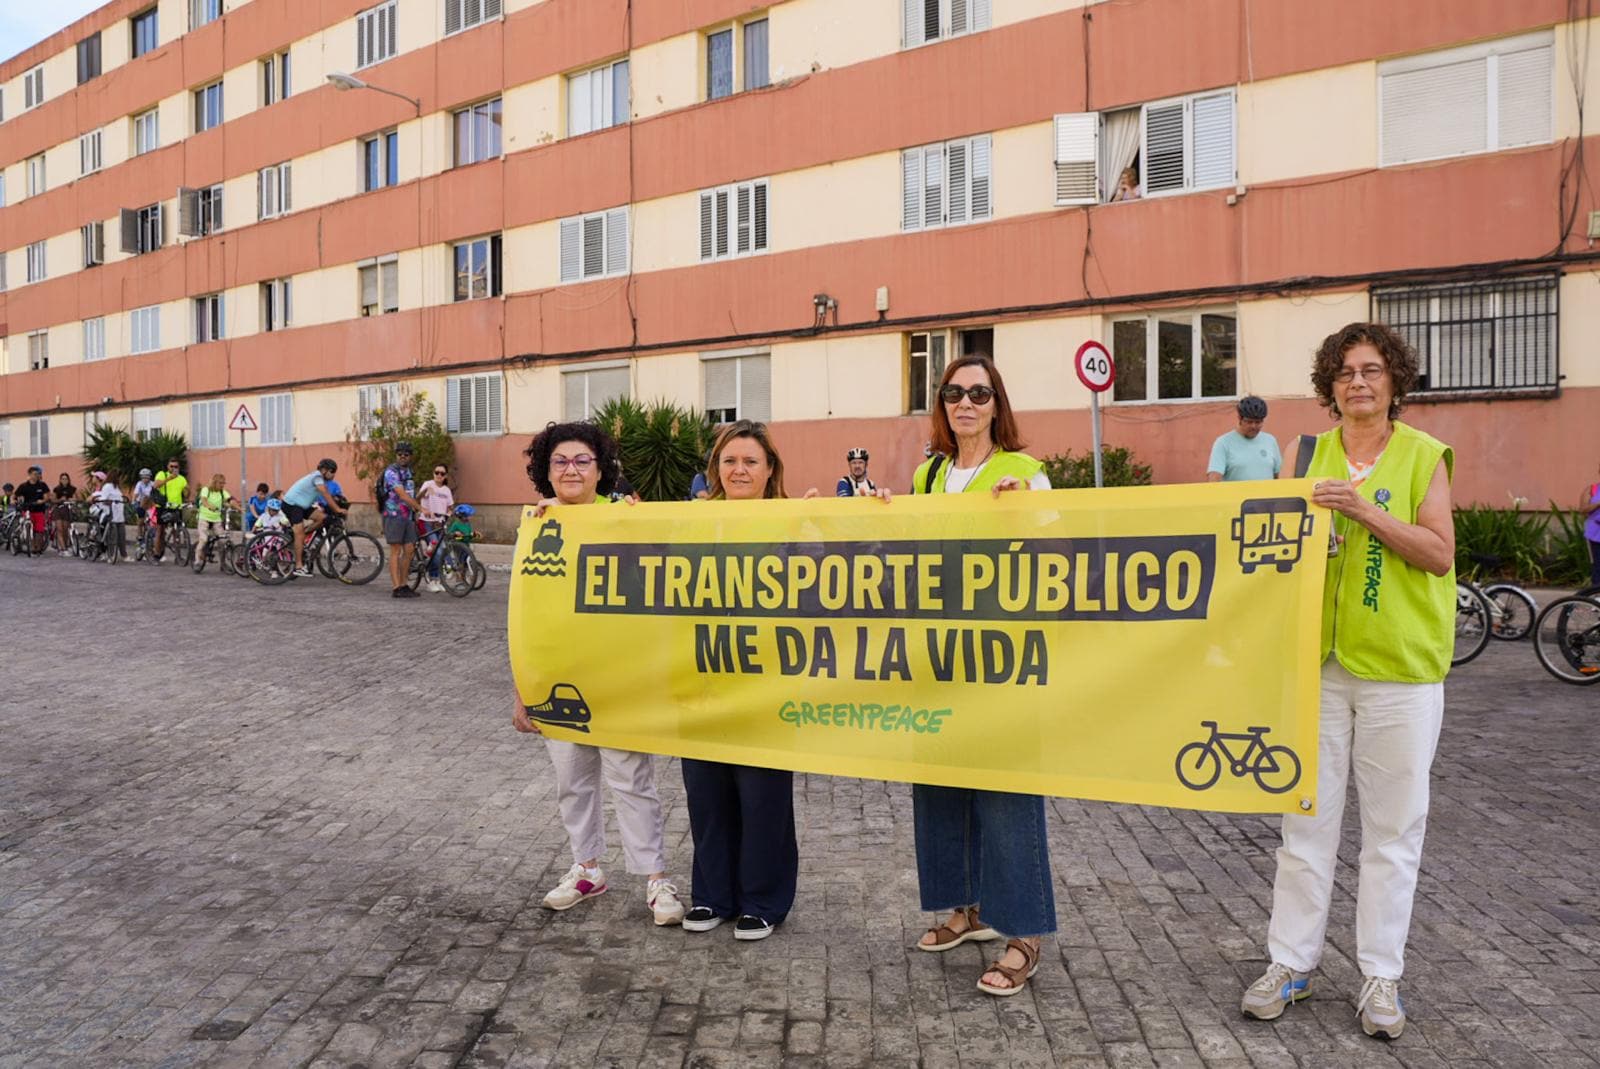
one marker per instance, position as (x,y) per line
(576,464)
(1388,615)
(746,856)
(975,847)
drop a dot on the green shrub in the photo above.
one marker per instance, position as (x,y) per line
(1519,539)
(1568,560)
(1118,467)
(412,419)
(662,445)
(119,454)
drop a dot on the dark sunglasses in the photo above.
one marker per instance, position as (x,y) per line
(952,394)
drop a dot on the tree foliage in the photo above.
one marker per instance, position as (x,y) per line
(412,418)
(120,454)
(1118,467)
(662,445)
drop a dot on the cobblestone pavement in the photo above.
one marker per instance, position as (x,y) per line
(244,826)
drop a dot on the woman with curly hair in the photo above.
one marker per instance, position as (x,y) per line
(1388,616)
(576,464)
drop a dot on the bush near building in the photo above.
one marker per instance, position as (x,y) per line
(1540,548)
(662,445)
(413,418)
(120,454)
(1118,467)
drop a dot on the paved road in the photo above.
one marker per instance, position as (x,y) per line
(242,826)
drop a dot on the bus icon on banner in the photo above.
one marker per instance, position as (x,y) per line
(1271,530)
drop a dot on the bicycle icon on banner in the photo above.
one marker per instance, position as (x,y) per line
(1276,768)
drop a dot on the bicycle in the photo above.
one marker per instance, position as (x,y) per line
(1511,609)
(352,557)
(19,536)
(99,535)
(224,553)
(1566,638)
(1473,623)
(1258,760)
(460,573)
(169,528)
(268,557)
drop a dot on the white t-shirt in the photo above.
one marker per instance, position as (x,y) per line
(111,495)
(957,479)
(270,521)
(436,500)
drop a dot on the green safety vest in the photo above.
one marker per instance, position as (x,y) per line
(997,467)
(1385,619)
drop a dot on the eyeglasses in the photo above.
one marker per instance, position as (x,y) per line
(952,394)
(1370,373)
(581,462)
(440,472)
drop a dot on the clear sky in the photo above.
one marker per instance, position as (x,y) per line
(27,22)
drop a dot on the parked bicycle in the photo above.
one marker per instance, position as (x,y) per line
(19,536)
(219,547)
(1566,638)
(169,529)
(460,571)
(1511,609)
(1473,623)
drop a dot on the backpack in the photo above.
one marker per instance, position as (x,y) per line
(380,489)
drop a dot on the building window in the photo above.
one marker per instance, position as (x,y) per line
(94,338)
(208,319)
(275,79)
(593,246)
(464,14)
(200,211)
(143,27)
(597,98)
(1186,144)
(146,132)
(146,423)
(922,21)
(90,154)
(1485,97)
(738,387)
(585,391)
(277,305)
(94,243)
(88,58)
(1176,355)
(927,352)
(38,350)
(371,400)
(380,286)
(33,88)
(736,58)
(945,184)
(277,419)
(142,229)
(272,191)
(144,330)
(39,436)
(1492,335)
(208,425)
(733,220)
(477,268)
(36,176)
(472,404)
(208,107)
(478,132)
(380,161)
(38,270)
(375,34)
(203,11)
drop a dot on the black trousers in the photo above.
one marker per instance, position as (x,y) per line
(746,859)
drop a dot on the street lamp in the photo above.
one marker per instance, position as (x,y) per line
(342,81)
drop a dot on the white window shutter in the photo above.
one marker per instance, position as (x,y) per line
(392,16)
(492,412)
(616,241)
(594,246)
(574,395)
(1525,96)
(911,188)
(1435,112)
(491,9)
(933,185)
(911,23)
(452,406)
(755,388)
(363,31)
(707,223)
(958,17)
(1077,153)
(722,384)
(607,385)
(720,228)
(959,180)
(982,16)
(982,205)
(284,185)
(452,15)
(369,287)
(760,196)
(579,105)
(480,403)
(742,239)
(1163,147)
(1213,141)
(571,251)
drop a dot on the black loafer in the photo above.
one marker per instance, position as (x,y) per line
(750,926)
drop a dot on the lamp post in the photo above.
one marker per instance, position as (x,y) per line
(342,81)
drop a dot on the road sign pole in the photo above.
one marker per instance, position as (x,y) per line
(1097,371)
(1094,419)
(244,482)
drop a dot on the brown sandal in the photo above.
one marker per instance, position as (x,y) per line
(1017,977)
(947,938)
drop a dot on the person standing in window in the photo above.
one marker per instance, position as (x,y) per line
(1246,452)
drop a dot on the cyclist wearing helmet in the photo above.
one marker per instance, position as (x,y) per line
(1247,452)
(306,494)
(398,503)
(856,484)
(461,524)
(272,517)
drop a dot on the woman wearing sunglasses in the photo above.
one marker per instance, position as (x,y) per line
(982,848)
(437,499)
(576,464)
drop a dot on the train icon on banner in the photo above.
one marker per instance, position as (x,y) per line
(1271,531)
(564,708)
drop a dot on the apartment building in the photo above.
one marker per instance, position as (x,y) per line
(796,213)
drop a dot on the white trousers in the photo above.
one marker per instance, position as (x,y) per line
(632,779)
(1388,733)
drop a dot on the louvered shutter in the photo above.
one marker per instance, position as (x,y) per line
(1077,150)
(607,385)
(722,385)
(264,184)
(933,185)
(129,221)
(285,185)
(911,189)
(1525,97)
(1436,112)
(493,421)
(491,9)
(471,12)
(452,405)
(957,154)
(616,240)
(1163,147)
(982,206)
(911,23)
(452,16)
(391,15)
(958,17)
(574,396)
(760,196)
(720,231)
(363,35)
(161,225)
(755,388)
(189,212)
(369,289)
(571,250)
(1213,141)
(742,237)
(982,17)
(389,280)
(594,246)
(478,419)
(707,223)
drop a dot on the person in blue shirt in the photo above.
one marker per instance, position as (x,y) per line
(300,500)
(256,506)
(1247,452)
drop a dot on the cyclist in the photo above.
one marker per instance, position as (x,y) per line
(5,496)
(856,483)
(398,504)
(64,493)
(437,499)
(210,502)
(272,517)
(31,497)
(300,501)
(171,491)
(255,506)
(108,506)
(144,491)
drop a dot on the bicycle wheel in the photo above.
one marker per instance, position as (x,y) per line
(1566,639)
(1284,776)
(480,574)
(455,570)
(201,554)
(1472,624)
(1198,766)
(322,560)
(271,560)
(1514,611)
(356,558)
(181,544)
(225,558)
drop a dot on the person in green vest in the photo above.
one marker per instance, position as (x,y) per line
(982,848)
(1388,613)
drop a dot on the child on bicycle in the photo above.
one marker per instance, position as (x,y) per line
(272,517)
(460,528)
(255,506)
(108,501)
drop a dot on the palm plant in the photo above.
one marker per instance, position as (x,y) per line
(662,445)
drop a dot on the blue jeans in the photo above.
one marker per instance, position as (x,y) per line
(985,849)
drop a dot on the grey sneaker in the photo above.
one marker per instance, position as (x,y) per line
(1277,989)
(578,884)
(1382,1014)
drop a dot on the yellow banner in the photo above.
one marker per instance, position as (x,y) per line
(1151,645)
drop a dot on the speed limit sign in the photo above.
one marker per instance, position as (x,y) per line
(1095,367)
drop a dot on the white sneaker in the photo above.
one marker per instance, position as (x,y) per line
(1379,1007)
(662,898)
(1275,991)
(435,587)
(578,884)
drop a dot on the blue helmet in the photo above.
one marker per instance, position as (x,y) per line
(274,503)
(465,510)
